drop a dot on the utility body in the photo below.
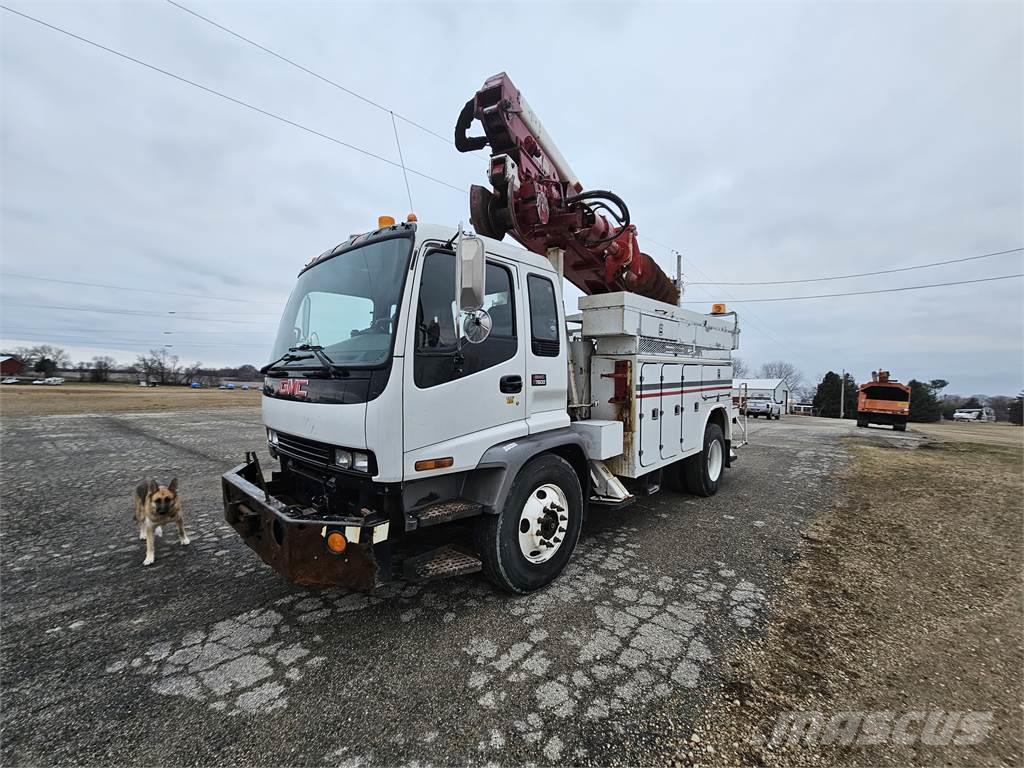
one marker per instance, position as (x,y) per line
(435,412)
(883,400)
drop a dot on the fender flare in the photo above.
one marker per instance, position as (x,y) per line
(501,463)
(726,429)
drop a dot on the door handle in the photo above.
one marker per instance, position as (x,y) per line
(511,384)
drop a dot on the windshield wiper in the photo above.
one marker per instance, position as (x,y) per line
(287,357)
(325,362)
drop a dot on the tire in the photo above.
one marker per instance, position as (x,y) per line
(529,501)
(861,423)
(899,427)
(700,479)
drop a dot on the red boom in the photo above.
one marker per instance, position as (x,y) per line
(536,198)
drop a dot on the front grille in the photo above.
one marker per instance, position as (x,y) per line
(300,448)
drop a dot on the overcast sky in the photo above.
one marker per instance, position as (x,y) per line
(764,141)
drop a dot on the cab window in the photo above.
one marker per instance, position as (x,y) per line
(442,352)
(544,333)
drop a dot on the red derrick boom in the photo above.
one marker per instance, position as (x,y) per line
(537,199)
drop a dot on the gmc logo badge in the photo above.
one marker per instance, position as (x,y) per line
(293,387)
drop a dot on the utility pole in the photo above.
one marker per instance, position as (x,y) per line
(842,397)
(679,276)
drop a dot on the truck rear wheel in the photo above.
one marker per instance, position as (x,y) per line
(703,472)
(529,542)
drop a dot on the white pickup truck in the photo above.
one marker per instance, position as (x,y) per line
(763,406)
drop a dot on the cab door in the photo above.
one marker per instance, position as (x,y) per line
(461,398)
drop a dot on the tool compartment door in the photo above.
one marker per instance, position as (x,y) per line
(693,421)
(648,406)
(671,410)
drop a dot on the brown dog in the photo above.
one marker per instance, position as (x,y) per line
(155,506)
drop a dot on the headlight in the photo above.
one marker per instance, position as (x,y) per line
(343,458)
(360,462)
(272,437)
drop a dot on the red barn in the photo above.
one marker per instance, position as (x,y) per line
(11,366)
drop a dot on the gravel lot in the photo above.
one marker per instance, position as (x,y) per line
(209,657)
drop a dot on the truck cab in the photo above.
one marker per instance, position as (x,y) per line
(421,408)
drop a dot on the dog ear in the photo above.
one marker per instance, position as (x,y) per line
(153,487)
(173,487)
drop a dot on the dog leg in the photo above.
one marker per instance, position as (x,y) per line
(182,536)
(150,545)
(142,531)
(159,530)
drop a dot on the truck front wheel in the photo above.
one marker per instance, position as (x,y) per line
(703,472)
(529,542)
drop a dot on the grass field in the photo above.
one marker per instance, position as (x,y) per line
(987,434)
(907,597)
(71,397)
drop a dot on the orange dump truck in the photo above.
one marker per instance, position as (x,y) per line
(883,401)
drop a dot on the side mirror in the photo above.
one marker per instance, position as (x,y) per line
(470,271)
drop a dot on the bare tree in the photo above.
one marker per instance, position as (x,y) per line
(740,370)
(55,357)
(101,367)
(158,367)
(780,369)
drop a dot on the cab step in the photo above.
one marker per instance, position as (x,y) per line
(441,563)
(446,511)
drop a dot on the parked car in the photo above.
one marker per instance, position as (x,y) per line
(758,406)
(54,381)
(196,385)
(10,380)
(39,381)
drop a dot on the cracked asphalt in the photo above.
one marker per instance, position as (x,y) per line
(209,657)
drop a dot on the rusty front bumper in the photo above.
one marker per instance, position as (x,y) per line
(296,546)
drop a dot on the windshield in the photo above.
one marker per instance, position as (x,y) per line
(348,304)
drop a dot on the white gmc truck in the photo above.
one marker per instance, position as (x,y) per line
(432,408)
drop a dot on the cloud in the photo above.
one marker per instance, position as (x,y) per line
(764,142)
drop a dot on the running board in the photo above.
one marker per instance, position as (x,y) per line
(440,563)
(446,511)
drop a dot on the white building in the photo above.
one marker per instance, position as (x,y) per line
(758,389)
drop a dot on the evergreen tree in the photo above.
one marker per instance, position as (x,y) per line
(827,397)
(924,403)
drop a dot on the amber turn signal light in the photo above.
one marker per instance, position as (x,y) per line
(425,464)
(718,309)
(336,542)
(385,221)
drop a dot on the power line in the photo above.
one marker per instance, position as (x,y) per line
(317,75)
(176,334)
(401,159)
(133,289)
(308,71)
(879,290)
(84,340)
(172,314)
(747,316)
(867,274)
(232,99)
